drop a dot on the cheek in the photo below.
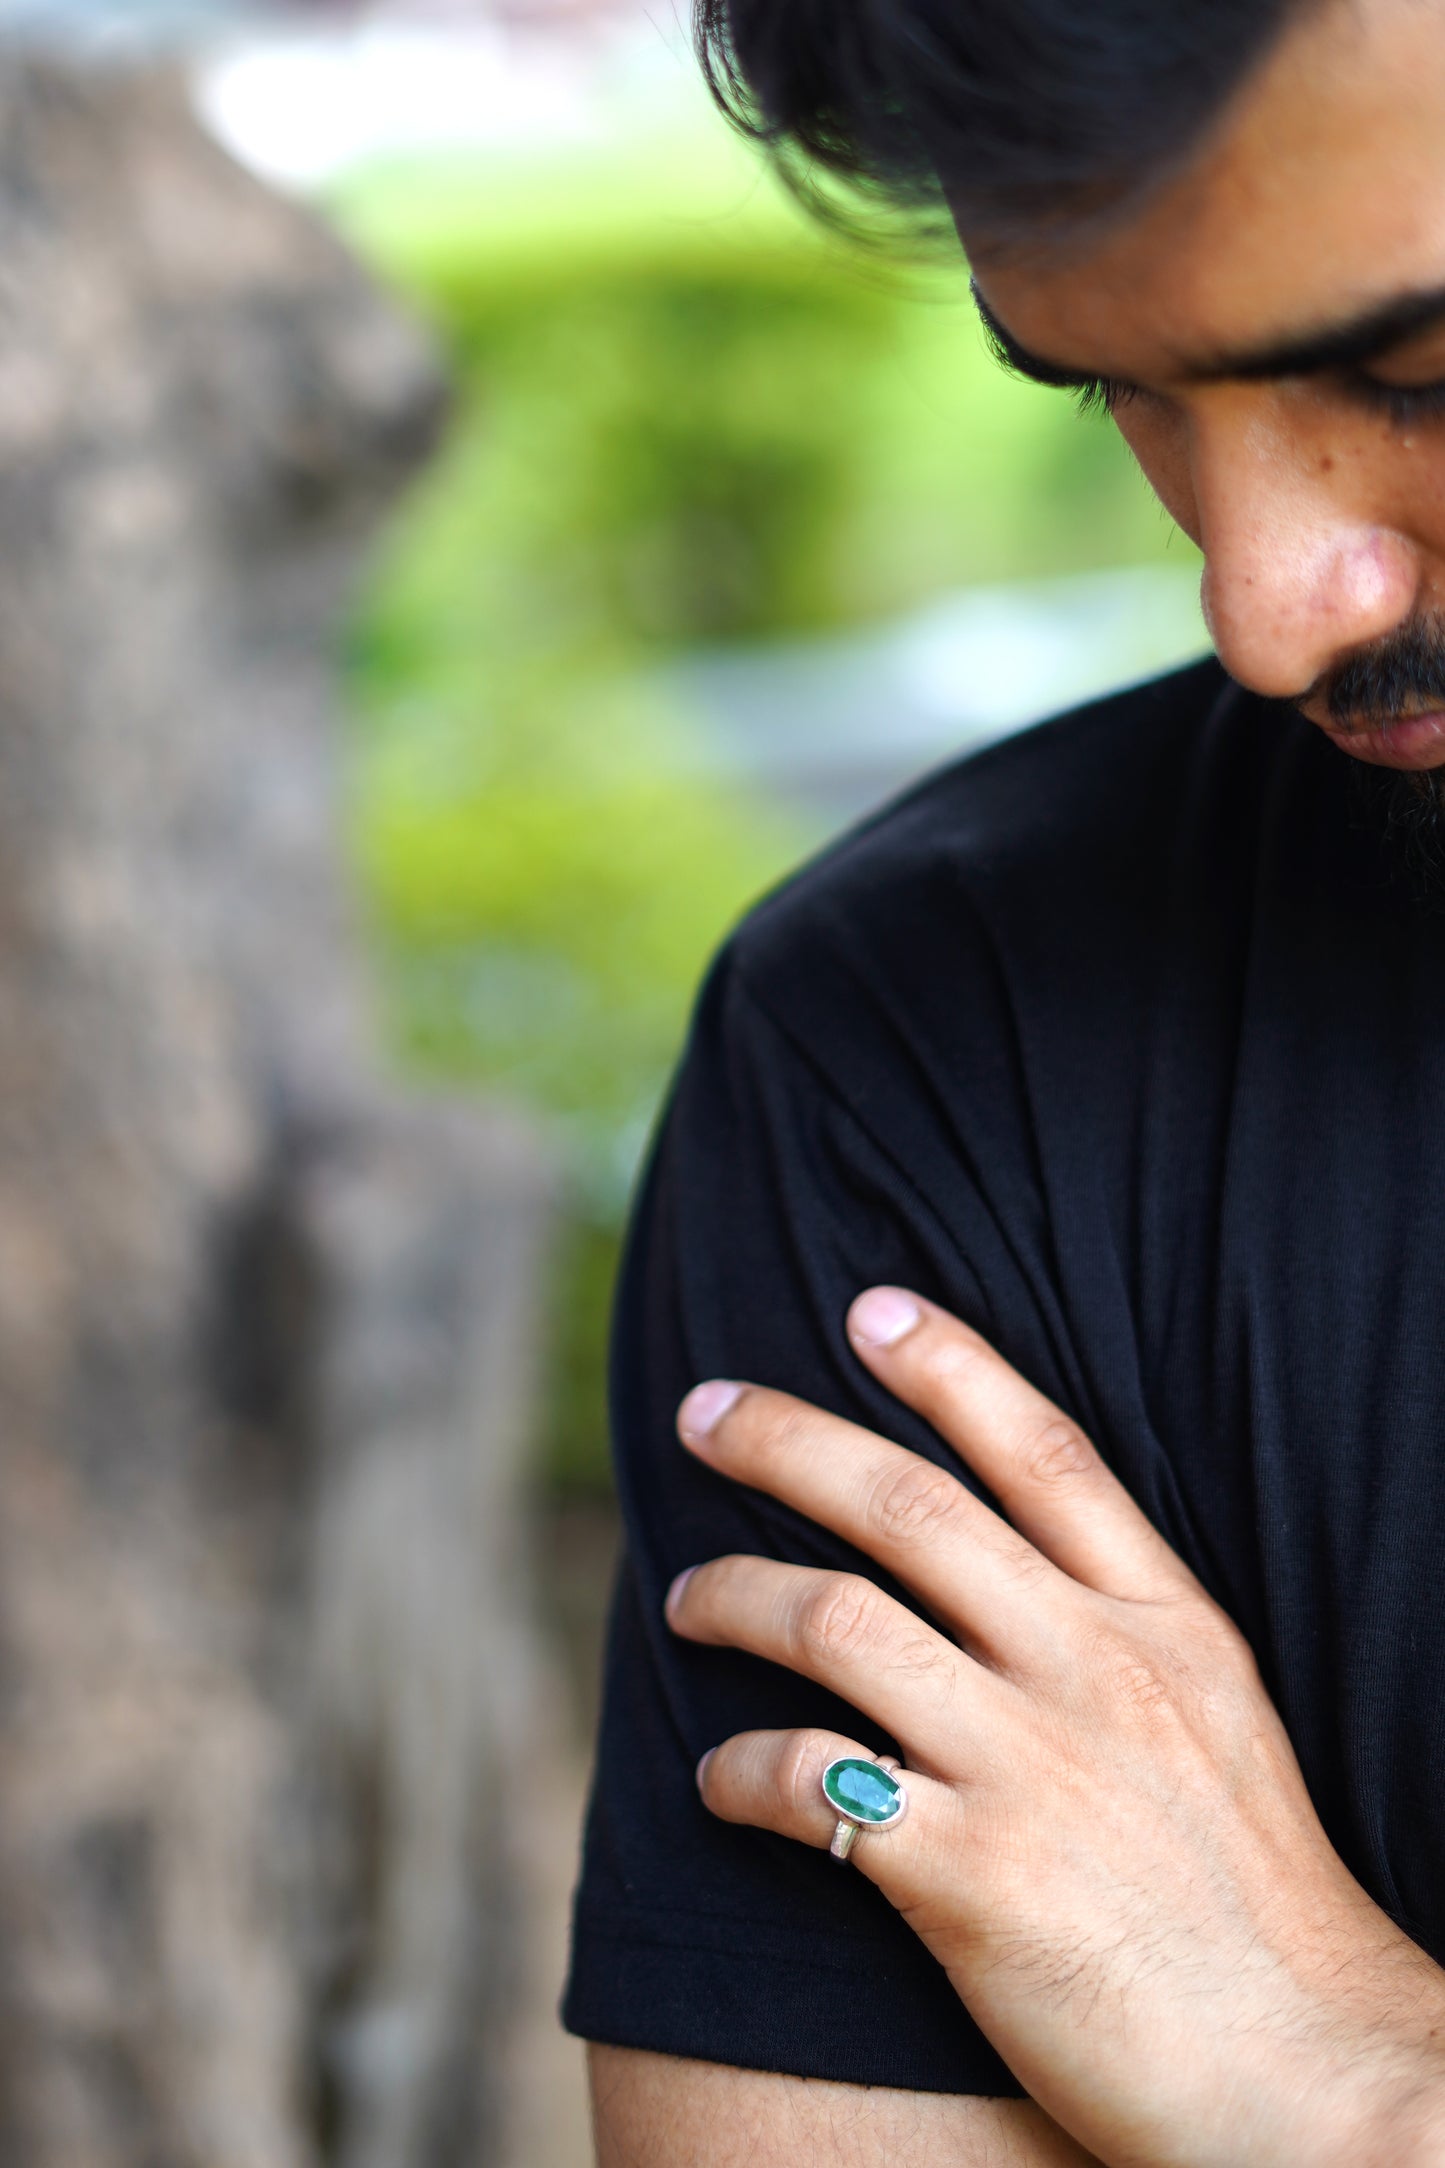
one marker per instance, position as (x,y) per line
(1394,481)
(1419,462)
(1157,434)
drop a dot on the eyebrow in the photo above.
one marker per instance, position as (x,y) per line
(1348,345)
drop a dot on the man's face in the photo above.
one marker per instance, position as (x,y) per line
(1272,331)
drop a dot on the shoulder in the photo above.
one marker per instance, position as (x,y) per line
(1063,842)
(1105,787)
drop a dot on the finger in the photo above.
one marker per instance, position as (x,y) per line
(1046,1474)
(845,1633)
(969,1567)
(774,1780)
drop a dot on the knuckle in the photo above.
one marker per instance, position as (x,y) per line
(1167,1677)
(1224,1646)
(955,1360)
(915,1505)
(1142,1685)
(788,1428)
(716,1595)
(838,1620)
(1237,1667)
(710,1585)
(917,1655)
(1026,1565)
(1221,1668)
(799,1767)
(1057,1453)
(1141,1682)
(1017,1557)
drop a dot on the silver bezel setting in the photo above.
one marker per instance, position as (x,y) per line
(862,1822)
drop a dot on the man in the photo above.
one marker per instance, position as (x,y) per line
(1113,1064)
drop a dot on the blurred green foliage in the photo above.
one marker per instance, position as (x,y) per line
(681,416)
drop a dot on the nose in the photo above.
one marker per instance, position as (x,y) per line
(1297,575)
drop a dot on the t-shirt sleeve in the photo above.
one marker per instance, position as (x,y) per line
(774,1195)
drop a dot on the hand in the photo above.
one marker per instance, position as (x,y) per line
(1109,1845)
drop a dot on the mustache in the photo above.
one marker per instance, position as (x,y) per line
(1402,674)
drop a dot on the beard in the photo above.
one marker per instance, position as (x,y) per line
(1406,813)
(1401,674)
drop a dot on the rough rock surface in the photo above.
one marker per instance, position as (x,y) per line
(265,1325)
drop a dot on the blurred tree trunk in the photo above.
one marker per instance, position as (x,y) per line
(265,1329)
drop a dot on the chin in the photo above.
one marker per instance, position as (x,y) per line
(1406,809)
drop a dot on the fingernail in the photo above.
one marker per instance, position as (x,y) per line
(674,1594)
(702,1766)
(705,1407)
(883,1316)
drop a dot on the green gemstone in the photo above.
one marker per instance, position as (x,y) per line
(862,1791)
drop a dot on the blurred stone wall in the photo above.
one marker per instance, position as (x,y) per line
(266,1326)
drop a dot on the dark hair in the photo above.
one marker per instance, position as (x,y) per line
(1026,114)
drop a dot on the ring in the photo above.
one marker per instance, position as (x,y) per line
(864,1795)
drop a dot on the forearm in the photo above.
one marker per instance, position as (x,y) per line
(1415,2137)
(660,2111)
(1402,2118)
(1356,2074)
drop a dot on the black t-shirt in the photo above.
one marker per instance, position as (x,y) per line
(1121,1041)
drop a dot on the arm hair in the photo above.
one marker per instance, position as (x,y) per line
(661,2111)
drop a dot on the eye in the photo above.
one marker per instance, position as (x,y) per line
(1099,395)
(1091,394)
(1402,404)
(1103,395)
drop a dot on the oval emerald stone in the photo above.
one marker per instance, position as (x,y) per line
(863,1792)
